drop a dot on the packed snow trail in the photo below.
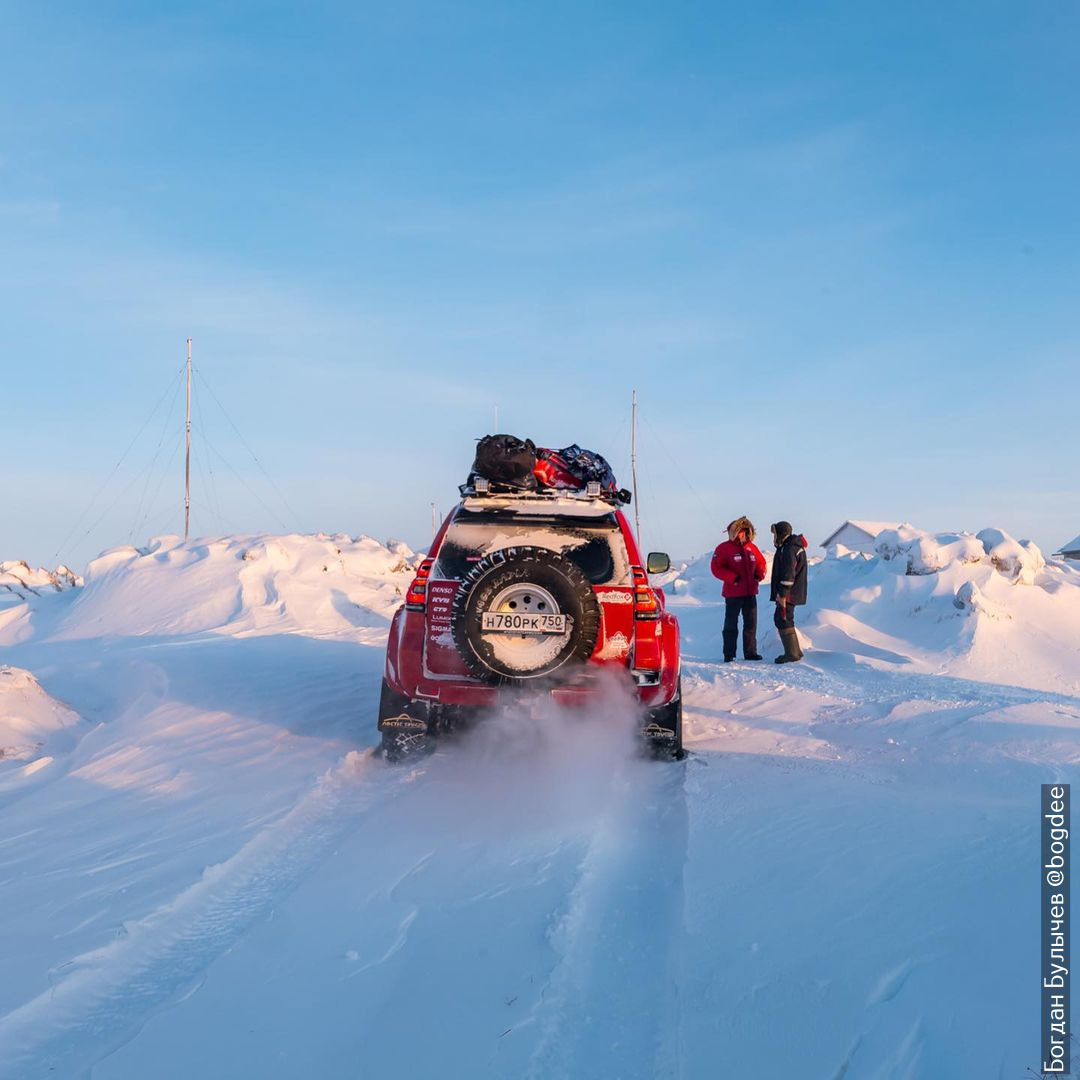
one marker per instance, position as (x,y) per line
(187,749)
(844,922)
(108,994)
(467,911)
(556,918)
(623,926)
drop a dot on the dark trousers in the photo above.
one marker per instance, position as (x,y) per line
(747,607)
(785,621)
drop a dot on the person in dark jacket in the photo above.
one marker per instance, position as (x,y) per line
(788,587)
(740,566)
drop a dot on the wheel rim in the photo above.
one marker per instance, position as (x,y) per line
(522,653)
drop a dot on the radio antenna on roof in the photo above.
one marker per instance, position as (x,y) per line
(633,465)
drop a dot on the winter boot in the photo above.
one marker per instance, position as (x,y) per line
(789,638)
(749,647)
(730,638)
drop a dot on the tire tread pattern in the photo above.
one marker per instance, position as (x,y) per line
(515,561)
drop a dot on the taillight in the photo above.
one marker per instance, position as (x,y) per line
(416,597)
(645,602)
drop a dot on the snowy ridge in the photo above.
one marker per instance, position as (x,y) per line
(20,584)
(18,578)
(982,606)
(238,584)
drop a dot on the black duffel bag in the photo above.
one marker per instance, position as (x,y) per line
(588,465)
(507,461)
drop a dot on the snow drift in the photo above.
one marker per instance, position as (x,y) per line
(30,720)
(318,585)
(981,605)
(34,729)
(928,553)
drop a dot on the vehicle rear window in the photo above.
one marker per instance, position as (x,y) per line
(596,546)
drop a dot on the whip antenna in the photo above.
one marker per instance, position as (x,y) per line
(633,465)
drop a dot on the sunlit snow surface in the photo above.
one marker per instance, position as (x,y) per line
(205,872)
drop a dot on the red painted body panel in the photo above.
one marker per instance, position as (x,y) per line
(423,663)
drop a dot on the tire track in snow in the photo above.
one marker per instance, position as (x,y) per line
(114,990)
(611,1006)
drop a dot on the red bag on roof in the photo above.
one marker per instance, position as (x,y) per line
(574,467)
(551,470)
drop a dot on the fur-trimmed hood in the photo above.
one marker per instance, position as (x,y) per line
(738,525)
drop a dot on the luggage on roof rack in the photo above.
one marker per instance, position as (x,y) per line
(574,467)
(507,465)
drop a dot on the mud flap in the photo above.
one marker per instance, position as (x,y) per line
(403,736)
(654,734)
(661,742)
(404,722)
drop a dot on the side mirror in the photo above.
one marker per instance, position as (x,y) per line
(657,563)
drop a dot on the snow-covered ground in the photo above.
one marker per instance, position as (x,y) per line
(204,871)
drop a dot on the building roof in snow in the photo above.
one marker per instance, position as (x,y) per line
(1072,545)
(873,529)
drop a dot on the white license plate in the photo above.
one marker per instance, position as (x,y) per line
(511,622)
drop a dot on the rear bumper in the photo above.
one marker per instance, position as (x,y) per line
(648,688)
(654,686)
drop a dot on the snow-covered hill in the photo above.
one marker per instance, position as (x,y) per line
(235,585)
(982,606)
(206,872)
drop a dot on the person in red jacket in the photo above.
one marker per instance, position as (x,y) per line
(740,566)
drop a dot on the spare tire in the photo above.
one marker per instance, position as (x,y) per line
(524,581)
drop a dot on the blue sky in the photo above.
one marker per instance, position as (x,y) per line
(833,246)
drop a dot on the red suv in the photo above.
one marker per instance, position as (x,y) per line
(535,591)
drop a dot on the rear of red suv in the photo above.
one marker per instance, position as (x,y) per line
(529,592)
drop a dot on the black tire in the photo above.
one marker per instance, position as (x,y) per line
(562,580)
(669,716)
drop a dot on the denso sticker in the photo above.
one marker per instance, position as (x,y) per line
(440,601)
(611,596)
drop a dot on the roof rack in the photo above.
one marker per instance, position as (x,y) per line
(478,487)
(539,505)
(590,502)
